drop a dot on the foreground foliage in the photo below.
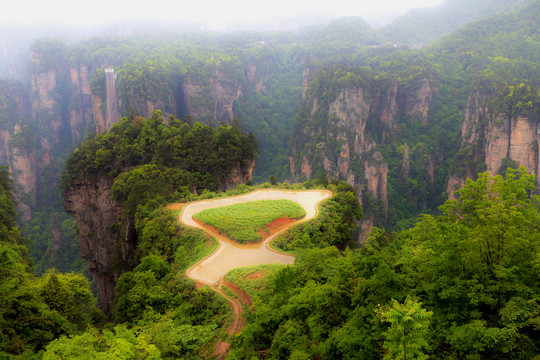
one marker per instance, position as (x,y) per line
(474,269)
(244,222)
(34,310)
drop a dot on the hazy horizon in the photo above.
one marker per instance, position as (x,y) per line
(204,15)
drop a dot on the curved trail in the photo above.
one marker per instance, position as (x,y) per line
(231,255)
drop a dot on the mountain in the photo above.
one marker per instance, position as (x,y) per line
(346,107)
(426,26)
(391,124)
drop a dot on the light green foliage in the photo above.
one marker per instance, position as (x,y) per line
(409,325)
(158,284)
(243,222)
(253,279)
(34,311)
(177,341)
(160,233)
(69,295)
(119,344)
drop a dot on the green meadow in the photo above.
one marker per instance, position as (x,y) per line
(243,222)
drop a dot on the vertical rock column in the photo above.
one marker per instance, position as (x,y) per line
(112,104)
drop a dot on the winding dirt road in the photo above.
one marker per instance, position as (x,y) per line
(231,255)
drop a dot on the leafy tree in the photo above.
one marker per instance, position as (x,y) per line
(409,325)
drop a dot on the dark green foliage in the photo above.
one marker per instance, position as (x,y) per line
(54,241)
(473,269)
(506,163)
(7,204)
(177,154)
(34,311)
(334,226)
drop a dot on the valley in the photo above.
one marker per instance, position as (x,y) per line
(413,148)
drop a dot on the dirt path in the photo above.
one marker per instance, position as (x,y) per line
(231,255)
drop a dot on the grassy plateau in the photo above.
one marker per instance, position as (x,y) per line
(243,222)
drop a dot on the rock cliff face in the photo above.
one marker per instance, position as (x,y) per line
(80,111)
(24,172)
(17,145)
(337,138)
(489,137)
(212,101)
(107,241)
(240,174)
(97,216)
(98,111)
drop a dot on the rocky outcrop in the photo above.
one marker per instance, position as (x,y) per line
(24,172)
(346,151)
(241,173)
(17,145)
(102,246)
(488,138)
(211,101)
(98,111)
(258,80)
(339,134)
(419,101)
(81,103)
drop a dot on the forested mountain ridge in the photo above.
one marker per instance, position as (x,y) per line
(420,27)
(109,176)
(394,123)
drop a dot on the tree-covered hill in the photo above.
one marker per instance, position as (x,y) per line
(420,27)
(110,176)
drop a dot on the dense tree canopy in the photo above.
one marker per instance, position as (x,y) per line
(474,269)
(34,311)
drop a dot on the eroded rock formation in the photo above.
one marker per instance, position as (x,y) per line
(340,135)
(489,137)
(102,247)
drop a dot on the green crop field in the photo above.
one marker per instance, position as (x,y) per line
(243,222)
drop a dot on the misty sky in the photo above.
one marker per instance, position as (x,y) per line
(215,14)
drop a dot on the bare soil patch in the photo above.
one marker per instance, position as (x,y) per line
(275,226)
(239,292)
(176,206)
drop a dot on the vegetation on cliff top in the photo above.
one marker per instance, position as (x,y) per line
(142,153)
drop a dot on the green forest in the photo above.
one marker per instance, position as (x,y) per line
(94,260)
